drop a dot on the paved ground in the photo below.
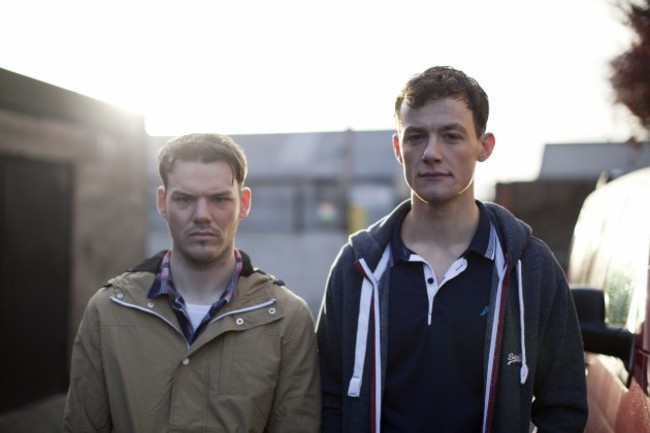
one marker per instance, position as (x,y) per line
(42,417)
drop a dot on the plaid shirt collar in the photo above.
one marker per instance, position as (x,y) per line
(164,285)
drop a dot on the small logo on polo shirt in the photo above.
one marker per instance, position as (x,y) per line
(514,359)
(485,311)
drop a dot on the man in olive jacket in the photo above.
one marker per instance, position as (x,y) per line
(195,339)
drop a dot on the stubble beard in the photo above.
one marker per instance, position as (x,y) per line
(204,256)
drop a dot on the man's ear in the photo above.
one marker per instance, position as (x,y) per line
(245,202)
(161,204)
(487,141)
(397,149)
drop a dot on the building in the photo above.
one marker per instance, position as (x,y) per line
(72,214)
(568,173)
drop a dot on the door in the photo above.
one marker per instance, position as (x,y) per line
(35,220)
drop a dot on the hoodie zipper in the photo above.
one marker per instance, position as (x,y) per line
(498,347)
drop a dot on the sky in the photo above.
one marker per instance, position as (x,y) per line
(263,66)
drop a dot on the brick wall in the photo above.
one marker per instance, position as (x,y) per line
(550,207)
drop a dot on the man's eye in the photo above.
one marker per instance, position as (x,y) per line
(453,136)
(180,199)
(414,138)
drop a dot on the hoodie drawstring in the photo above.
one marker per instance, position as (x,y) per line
(369,299)
(522,326)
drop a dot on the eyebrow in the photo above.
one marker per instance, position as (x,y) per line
(221,194)
(227,193)
(410,129)
(455,126)
(177,192)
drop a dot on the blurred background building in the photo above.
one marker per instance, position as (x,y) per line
(568,173)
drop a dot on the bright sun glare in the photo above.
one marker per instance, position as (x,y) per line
(288,66)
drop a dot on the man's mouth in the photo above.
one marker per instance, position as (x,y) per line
(433,174)
(202,234)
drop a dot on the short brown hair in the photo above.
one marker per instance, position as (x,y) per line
(203,148)
(441,82)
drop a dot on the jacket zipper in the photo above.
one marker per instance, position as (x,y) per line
(244,310)
(215,319)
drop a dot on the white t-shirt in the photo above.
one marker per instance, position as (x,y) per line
(196,312)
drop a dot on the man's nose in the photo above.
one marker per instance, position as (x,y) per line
(202,209)
(433,148)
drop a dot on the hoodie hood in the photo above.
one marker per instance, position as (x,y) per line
(514,233)
(370,243)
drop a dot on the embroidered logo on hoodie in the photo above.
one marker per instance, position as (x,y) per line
(514,358)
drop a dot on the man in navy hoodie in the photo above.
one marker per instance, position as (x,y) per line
(447,315)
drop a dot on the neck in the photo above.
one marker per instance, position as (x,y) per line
(201,285)
(445,224)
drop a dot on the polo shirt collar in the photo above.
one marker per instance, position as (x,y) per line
(483,243)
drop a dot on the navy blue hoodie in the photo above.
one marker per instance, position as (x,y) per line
(533,359)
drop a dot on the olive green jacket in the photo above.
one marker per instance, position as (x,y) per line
(253,369)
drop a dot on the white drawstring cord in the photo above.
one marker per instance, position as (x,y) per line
(368,288)
(524,366)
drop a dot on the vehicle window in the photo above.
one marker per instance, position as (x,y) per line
(586,239)
(594,238)
(611,250)
(623,258)
(626,276)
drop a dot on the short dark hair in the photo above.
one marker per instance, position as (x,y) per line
(203,148)
(441,82)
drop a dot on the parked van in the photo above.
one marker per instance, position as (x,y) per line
(609,268)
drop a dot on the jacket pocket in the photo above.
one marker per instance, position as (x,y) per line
(249,367)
